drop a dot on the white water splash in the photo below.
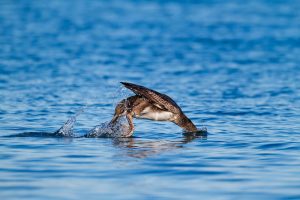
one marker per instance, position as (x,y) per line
(67,129)
(119,129)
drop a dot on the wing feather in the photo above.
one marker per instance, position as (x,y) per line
(161,99)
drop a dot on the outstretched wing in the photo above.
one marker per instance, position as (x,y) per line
(161,100)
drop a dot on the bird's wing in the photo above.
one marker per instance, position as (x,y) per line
(160,100)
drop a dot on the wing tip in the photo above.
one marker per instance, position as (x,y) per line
(134,88)
(125,83)
(131,86)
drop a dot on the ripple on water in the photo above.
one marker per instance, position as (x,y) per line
(232,66)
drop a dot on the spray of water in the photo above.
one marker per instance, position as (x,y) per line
(117,130)
(67,129)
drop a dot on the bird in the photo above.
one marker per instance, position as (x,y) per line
(152,105)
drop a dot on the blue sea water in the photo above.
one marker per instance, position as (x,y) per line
(233,67)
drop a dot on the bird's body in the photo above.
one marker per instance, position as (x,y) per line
(152,105)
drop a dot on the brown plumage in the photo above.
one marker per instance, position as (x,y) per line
(150,104)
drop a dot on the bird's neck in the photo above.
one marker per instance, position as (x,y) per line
(185,123)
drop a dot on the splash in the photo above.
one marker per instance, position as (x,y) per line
(67,129)
(118,130)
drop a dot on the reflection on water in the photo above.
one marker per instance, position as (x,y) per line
(233,64)
(133,146)
(141,149)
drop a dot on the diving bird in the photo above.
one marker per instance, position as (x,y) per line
(152,105)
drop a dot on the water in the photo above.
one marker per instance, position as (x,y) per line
(233,67)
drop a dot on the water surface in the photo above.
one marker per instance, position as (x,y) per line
(233,67)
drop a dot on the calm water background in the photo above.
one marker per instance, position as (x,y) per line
(233,66)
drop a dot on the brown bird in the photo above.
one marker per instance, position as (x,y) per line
(150,104)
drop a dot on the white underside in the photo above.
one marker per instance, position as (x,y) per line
(155,115)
